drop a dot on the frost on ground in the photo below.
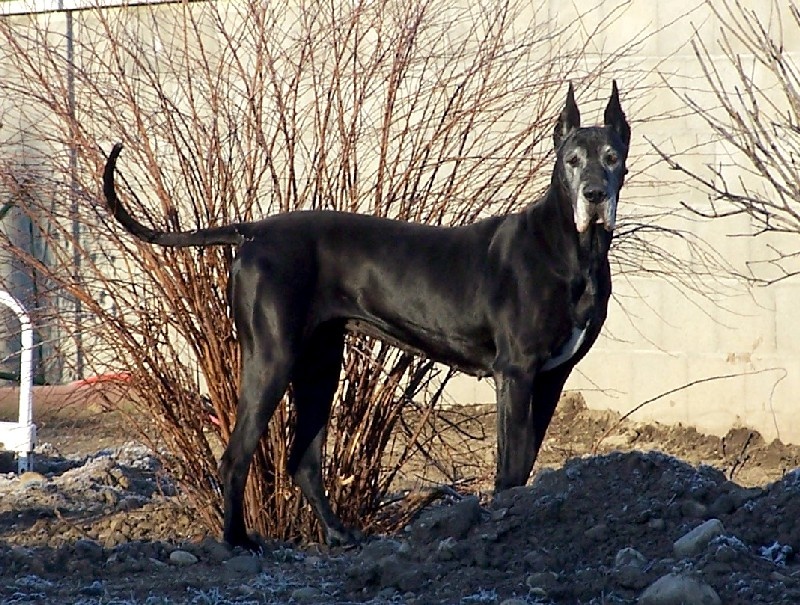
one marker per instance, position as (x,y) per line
(621,527)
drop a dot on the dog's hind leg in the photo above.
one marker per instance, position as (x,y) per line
(314,381)
(263,383)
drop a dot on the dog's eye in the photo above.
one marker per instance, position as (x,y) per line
(611,158)
(573,160)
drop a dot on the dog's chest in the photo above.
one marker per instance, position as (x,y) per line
(569,349)
(583,301)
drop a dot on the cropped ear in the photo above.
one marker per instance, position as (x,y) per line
(569,120)
(615,117)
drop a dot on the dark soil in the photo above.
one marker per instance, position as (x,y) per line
(100,522)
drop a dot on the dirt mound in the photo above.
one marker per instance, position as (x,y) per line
(603,529)
(604,521)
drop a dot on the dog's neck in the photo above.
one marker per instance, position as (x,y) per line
(593,244)
(552,218)
(581,257)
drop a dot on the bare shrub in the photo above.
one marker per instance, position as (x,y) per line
(421,110)
(751,104)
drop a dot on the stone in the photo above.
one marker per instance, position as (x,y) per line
(448,521)
(542,582)
(391,571)
(695,542)
(629,566)
(629,556)
(678,589)
(182,557)
(306,594)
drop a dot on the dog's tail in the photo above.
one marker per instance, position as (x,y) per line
(224,235)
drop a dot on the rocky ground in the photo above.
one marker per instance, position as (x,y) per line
(604,521)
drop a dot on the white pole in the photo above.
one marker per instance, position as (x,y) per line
(24,443)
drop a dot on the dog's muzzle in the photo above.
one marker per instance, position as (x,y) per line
(595,206)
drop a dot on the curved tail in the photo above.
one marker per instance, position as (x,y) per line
(225,235)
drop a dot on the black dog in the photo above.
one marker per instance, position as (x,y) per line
(521,298)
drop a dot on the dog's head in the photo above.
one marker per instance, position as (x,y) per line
(590,162)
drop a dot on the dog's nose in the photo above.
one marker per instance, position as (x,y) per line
(594,193)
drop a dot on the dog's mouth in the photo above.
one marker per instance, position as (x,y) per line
(603,213)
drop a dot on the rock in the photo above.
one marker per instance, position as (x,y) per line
(244,565)
(597,532)
(381,561)
(656,524)
(392,571)
(629,556)
(535,560)
(481,556)
(744,496)
(541,582)
(447,521)
(37,565)
(629,566)
(514,601)
(386,594)
(775,553)
(182,557)
(677,589)
(630,577)
(110,496)
(695,542)
(306,594)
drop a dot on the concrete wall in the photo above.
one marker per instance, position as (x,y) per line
(661,334)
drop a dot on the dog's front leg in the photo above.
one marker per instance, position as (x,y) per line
(516,437)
